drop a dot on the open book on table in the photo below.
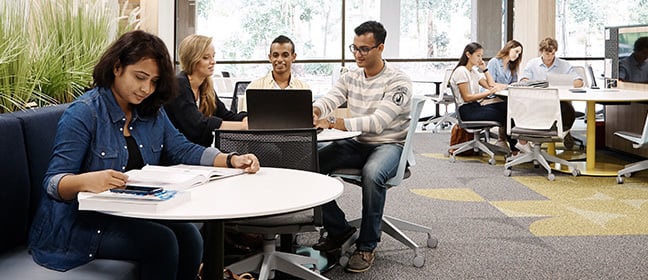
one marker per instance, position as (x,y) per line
(178,177)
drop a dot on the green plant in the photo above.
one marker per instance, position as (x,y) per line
(49,48)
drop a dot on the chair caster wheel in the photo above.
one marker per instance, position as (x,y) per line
(452,159)
(344,260)
(491,161)
(575,172)
(619,180)
(551,177)
(432,242)
(507,172)
(418,261)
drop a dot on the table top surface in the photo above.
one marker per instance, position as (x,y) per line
(335,134)
(602,95)
(270,191)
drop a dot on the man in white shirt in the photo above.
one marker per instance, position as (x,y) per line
(537,69)
(282,55)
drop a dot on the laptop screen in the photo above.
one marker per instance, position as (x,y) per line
(556,80)
(279,108)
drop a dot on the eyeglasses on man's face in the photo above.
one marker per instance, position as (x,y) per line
(364,50)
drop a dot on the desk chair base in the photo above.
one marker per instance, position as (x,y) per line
(270,260)
(631,168)
(477,145)
(393,227)
(542,158)
(447,120)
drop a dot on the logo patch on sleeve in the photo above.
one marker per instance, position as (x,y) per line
(399,95)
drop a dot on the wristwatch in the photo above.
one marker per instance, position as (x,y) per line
(331,120)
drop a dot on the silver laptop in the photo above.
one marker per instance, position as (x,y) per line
(557,80)
(279,108)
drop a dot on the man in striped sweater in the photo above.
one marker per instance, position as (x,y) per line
(378,97)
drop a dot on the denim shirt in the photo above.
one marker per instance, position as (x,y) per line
(89,138)
(499,74)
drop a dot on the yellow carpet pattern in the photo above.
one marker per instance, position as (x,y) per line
(574,206)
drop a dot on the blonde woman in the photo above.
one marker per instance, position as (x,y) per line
(197,111)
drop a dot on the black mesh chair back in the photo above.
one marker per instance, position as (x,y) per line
(283,148)
(239,89)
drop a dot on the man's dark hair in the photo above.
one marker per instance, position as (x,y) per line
(641,44)
(129,49)
(281,39)
(374,27)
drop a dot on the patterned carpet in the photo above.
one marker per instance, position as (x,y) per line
(491,226)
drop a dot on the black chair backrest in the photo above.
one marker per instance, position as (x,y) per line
(239,89)
(283,148)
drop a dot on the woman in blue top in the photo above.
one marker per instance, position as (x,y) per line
(117,126)
(505,65)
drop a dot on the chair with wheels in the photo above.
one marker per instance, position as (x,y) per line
(533,114)
(393,226)
(284,148)
(638,142)
(479,129)
(443,97)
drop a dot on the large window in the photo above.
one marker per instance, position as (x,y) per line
(243,31)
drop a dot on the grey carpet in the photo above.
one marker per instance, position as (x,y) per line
(489,238)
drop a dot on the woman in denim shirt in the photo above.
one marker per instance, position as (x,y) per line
(117,126)
(505,65)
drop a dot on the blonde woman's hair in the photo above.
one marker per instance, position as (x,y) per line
(191,50)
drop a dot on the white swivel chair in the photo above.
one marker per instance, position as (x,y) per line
(638,141)
(393,226)
(479,129)
(445,98)
(533,114)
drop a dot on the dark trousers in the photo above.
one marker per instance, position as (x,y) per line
(568,114)
(164,250)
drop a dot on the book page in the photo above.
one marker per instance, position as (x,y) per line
(167,179)
(210,172)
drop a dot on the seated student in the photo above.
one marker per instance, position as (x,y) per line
(537,69)
(381,108)
(282,55)
(466,79)
(634,67)
(197,111)
(117,126)
(504,70)
(505,65)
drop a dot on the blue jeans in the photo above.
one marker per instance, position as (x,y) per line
(164,250)
(379,163)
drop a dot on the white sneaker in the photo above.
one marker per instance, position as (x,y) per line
(525,148)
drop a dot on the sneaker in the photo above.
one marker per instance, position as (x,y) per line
(568,141)
(332,243)
(525,148)
(360,261)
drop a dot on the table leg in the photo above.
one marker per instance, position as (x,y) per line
(591,136)
(213,250)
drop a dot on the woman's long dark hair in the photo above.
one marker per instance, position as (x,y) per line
(463,60)
(129,49)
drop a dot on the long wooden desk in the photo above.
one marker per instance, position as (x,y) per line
(591,97)
(270,191)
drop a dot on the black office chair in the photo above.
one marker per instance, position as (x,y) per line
(239,89)
(284,148)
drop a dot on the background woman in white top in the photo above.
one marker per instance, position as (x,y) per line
(466,81)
